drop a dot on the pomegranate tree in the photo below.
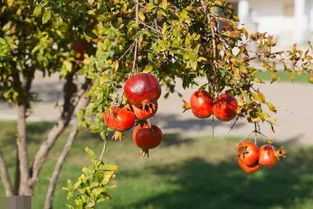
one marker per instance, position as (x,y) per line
(175,40)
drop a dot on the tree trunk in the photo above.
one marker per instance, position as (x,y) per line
(59,165)
(61,159)
(5,178)
(24,188)
(17,174)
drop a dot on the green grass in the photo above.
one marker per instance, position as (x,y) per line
(191,173)
(284,77)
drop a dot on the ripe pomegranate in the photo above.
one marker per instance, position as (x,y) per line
(147,136)
(248,169)
(143,113)
(201,104)
(142,89)
(79,47)
(248,153)
(268,156)
(119,119)
(225,107)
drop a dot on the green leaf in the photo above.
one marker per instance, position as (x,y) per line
(108,167)
(46,16)
(7,26)
(37,11)
(90,153)
(148,69)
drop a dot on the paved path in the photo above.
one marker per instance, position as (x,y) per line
(294,102)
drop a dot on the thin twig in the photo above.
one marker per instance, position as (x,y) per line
(233,125)
(103,149)
(150,27)
(136,39)
(129,49)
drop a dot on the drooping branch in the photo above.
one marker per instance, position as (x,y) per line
(5,178)
(56,131)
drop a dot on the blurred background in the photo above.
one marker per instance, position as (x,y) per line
(190,169)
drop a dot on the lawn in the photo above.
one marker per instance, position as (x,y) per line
(283,77)
(184,173)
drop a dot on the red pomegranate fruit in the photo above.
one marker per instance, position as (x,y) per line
(225,107)
(119,119)
(201,104)
(147,136)
(144,112)
(248,153)
(268,156)
(142,89)
(248,169)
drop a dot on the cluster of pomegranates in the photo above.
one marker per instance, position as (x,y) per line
(142,92)
(202,105)
(251,158)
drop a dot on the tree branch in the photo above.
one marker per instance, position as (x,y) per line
(5,178)
(62,157)
(55,132)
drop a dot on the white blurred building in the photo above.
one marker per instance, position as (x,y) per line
(290,21)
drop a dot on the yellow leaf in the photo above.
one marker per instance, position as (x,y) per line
(10,2)
(271,107)
(141,16)
(116,66)
(148,69)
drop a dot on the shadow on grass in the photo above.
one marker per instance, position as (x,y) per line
(172,121)
(204,185)
(35,133)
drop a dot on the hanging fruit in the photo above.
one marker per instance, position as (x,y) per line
(142,89)
(225,107)
(201,104)
(119,119)
(147,136)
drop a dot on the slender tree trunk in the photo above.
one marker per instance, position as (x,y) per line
(5,178)
(61,159)
(17,174)
(24,189)
(59,165)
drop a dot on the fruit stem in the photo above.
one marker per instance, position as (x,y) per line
(213,127)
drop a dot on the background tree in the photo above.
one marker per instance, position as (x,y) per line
(107,41)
